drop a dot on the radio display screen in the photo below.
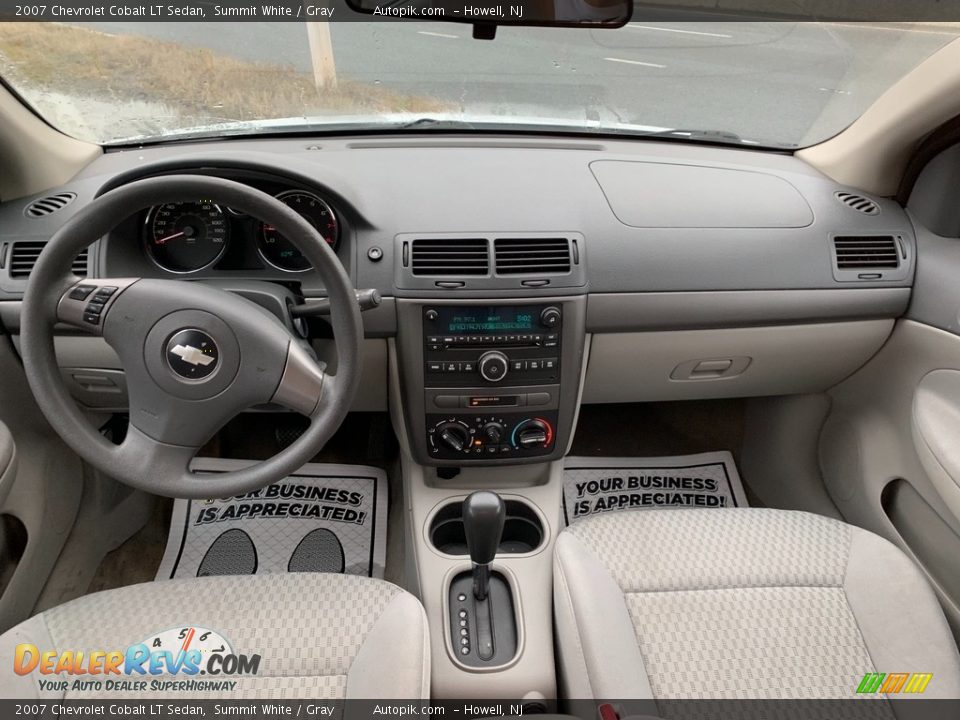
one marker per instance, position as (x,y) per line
(483,320)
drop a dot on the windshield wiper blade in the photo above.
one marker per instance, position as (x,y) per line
(436,124)
(721,136)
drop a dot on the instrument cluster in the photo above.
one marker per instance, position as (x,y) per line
(188,237)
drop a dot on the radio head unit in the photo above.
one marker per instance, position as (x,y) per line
(487,344)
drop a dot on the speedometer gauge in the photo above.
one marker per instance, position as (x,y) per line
(186,237)
(280,252)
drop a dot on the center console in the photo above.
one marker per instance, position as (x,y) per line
(484,393)
(489,382)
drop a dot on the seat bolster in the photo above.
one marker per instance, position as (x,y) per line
(394,660)
(594,630)
(900,619)
(33,631)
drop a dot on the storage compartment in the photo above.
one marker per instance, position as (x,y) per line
(935,544)
(728,362)
(522,529)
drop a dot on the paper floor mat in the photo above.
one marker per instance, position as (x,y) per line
(324,518)
(593,485)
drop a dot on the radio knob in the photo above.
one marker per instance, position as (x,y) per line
(550,317)
(493,366)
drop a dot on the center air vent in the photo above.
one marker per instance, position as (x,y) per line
(859,203)
(866,252)
(441,257)
(24,256)
(48,205)
(539,256)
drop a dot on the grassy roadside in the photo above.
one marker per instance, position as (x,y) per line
(197,84)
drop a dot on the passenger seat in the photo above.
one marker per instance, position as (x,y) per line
(740,603)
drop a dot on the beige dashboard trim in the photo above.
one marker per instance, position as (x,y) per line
(873,152)
(33,155)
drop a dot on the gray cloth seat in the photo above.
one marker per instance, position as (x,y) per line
(740,603)
(320,636)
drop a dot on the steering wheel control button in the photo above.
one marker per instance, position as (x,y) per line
(192,354)
(80,292)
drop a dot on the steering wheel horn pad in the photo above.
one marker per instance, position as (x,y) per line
(194,355)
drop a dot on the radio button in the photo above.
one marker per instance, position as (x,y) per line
(534,364)
(467,367)
(434,367)
(550,364)
(451,367)
(551,340)
(516,365)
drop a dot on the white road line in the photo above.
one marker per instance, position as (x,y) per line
(869,26)
(635,62)
(433,34)
(634,26)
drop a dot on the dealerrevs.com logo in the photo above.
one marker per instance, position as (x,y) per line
(180,659)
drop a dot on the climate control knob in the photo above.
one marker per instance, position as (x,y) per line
(493,366)
(492,432)
(533,434)
(453,435)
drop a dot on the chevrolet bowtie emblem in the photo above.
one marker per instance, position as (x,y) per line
(192,355)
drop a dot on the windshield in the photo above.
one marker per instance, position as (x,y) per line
(781,85)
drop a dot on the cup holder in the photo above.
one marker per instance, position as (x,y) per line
(522,529)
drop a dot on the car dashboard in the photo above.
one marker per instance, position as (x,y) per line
(520,276)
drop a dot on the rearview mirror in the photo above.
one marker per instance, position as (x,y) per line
(551,13)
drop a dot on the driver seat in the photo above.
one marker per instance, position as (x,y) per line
(321,636)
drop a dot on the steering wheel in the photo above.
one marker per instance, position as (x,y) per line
(194,356)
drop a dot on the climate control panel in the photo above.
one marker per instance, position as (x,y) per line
(505,435)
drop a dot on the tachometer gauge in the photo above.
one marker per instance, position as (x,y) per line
(280,252)
(186,237)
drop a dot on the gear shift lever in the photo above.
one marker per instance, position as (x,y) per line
(483,517)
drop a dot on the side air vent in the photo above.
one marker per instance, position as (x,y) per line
(24,256)
(859,203)
(539,256)
(48,205)
(439,257)
(866,252)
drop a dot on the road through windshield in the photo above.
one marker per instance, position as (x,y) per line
(774,84)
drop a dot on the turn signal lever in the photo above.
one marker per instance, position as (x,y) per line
(483,517)
(366,299)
